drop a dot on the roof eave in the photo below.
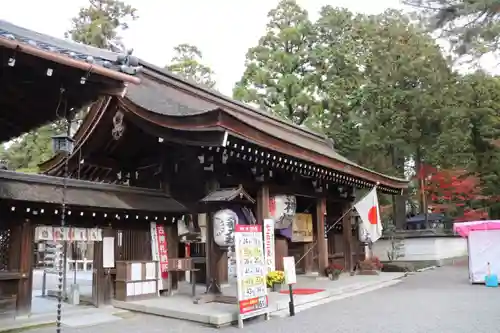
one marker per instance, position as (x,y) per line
(66,61)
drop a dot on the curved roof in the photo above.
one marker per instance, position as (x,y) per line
(173,102)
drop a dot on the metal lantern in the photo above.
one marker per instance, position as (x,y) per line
(224,223)
(282,209)
(62,144)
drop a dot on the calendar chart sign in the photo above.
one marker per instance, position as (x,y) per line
(251,271)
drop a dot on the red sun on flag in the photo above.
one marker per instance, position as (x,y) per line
(372,215)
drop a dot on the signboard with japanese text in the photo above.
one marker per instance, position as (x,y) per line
(269,245)
(302,228)
(162,250)
(251,271)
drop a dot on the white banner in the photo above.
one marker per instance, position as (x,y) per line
(154,242)
(269,245)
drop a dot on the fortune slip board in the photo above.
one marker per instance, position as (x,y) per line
(251,271)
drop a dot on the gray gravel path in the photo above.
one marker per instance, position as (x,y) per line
(440,301)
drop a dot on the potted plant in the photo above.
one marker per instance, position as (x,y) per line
(370,266)
(333,271)
(275,280)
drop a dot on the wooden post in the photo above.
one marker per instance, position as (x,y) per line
(320,235)
(308,261)
(21,260)
(347,236)
(262,203)
(102,286)
(173,250)
(280,251)
(216,257)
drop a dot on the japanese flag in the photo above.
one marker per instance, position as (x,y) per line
(369,213)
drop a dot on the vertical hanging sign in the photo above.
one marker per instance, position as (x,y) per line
(154,243)
(269,245)
(251,272)
(162,250)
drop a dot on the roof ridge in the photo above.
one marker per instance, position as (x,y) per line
(158,70)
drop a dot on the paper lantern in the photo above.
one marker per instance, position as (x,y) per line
(224,223)
(282,210)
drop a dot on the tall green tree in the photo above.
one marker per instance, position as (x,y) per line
(471,26)
(188,63)
(278,72)
(98,25)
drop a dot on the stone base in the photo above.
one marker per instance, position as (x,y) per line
(368,272)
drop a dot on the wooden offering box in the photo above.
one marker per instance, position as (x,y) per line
(136,280)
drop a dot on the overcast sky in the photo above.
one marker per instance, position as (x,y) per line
(222,29)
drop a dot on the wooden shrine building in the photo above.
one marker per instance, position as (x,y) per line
(153,147)
(42,79)
(188,141)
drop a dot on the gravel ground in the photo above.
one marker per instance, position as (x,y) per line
(440,301)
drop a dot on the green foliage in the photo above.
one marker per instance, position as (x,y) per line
(26,152)
(471,26)
(278,73)
(99,23)
(379,87)
(187,62)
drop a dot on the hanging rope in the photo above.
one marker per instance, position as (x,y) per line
(326,232)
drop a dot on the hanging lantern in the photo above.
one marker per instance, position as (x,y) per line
(224,223)
(62,144)
(282,210)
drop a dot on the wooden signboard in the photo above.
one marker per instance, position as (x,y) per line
(302,228)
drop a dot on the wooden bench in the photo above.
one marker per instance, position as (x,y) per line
(176,265)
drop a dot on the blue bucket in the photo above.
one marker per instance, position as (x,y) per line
(491,280)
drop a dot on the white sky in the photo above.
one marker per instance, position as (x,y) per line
(223,29)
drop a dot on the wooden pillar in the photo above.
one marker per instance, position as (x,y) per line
(216,258)
(21,260)
(347,237)
(320,235)
(308,261)
(262,203)
(173,250)
(280,251)
(102,286)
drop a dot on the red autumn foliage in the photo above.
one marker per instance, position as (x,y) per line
(452,191)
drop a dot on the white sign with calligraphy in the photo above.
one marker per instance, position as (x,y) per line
(269,245)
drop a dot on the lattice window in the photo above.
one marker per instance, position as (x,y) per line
(4,249)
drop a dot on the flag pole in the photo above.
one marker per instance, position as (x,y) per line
(330,228)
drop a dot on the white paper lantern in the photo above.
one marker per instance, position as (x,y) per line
(224,223)
(282,210)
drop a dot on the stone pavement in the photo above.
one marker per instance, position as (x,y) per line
(180,306)
(435,301)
